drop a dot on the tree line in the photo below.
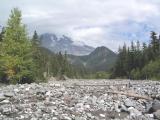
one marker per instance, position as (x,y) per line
(139,61)
(23,60)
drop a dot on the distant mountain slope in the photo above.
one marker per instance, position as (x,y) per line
(64,43)
(101,59)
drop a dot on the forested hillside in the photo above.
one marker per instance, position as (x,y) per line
(139,61)
(23,60)
(101,59)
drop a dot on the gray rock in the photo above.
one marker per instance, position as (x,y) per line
(65,117)
(117,108)
(9,94)
(2,97)
(134,112)
(6,111)
(124,108)
(129,103)
(34,118)
(5,102)
(90,115)
(46,110)
(155,106)
(149,107)
(157,115)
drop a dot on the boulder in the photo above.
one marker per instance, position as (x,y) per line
(129,103)
(134,112)
(8,94)
(5,102)
(2,97)
(157,115)
(155,106)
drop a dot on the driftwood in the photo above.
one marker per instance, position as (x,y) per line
(117,92)
(131,95)
(101,85)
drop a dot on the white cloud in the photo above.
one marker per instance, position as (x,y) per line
(95,22)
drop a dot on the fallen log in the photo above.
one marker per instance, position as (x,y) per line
(101,85)
(131,95)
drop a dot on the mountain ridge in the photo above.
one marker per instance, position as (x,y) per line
(64,44)
(101,59)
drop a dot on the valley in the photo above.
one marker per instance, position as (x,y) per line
(80,56)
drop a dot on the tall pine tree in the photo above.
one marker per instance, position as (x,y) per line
(15,51)
(37,57)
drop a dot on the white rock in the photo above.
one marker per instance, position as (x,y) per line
(67,118)
(102,115)
(57,85)
(16,90)
(54,118)
(48,93)
(90,115)
(21,117)
(27,89)
(150,115)
(101,101)
(22,87)
(87,106)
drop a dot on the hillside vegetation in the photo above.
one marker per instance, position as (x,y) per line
(139,61)
(101,59)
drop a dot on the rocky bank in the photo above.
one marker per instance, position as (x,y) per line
(81,100)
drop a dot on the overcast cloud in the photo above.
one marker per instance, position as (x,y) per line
(94,22)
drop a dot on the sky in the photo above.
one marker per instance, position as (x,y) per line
(109,23)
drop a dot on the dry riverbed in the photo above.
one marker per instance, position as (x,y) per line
(81,100)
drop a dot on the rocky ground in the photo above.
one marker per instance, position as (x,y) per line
(81,100)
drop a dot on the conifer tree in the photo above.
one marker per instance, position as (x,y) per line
(15,51)
(154,44)
(37,57)
(2,34)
